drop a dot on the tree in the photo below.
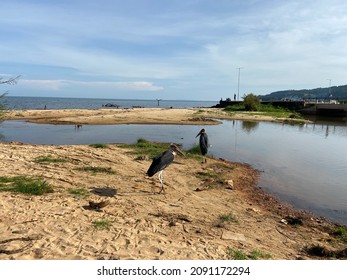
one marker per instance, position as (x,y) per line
(10,81)
(251,102)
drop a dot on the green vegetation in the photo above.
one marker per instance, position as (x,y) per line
(2,107)
(265,110)
(26,185)
(209,174)
(49,159)
(342,233)
(146,148)
(195,150)
(236,254)
(251,102)
(194,153)
(254,255)
(102,224)
(96,169)
(200,111)
(98,146)
(230,217)
(212,178)
(79,192)
(8,81)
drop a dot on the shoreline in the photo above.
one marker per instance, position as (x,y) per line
(182,224)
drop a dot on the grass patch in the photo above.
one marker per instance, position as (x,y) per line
(79,192)
(195,153)
(236,254)
(102,224)
(230,217)
(341,232)
(213,179)
(96,169)
(254,255)
(210,174)
(98,146)
(49,159)
(146,148)
(258,255)
(200,111)
(26,185)
(235,108)
(265,110)
(195,150)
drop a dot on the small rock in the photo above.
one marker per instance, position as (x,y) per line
(228,235)
(253,210)
(230,184)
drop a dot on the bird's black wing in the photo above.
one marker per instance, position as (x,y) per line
(160,162)
(203,141)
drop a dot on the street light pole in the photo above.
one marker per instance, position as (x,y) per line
(329,87)
(238,84)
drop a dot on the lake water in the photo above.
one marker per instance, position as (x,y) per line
(303,165)
(26,103)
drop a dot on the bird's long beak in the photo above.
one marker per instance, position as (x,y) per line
(198,134)
(178,150)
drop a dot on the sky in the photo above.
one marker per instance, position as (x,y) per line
(171,49)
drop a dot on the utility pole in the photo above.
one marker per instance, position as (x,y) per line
(158,100)
(238,84)
(329,88)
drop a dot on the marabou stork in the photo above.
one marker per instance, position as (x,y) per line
(203,143)
(160,162)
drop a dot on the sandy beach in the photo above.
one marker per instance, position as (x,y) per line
(134,116)
(199,217)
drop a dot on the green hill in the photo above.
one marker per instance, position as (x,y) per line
(337,93)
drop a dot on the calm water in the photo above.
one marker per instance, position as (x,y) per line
(26,103)
(304,165)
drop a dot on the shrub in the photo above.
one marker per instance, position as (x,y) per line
(251,102)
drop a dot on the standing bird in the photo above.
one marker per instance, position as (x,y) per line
(203,143)
(162,161)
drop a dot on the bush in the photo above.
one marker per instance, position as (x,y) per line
(251,102)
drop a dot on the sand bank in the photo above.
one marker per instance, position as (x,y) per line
(134,116)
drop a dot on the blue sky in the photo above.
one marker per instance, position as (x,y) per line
(171,49)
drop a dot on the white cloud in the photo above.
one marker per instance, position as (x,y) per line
(56,85)
(42,84)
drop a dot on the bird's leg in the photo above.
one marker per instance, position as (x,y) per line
(204,160)
(160,176)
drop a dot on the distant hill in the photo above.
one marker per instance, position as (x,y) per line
(337,92)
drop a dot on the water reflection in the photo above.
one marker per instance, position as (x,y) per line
(249,126)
